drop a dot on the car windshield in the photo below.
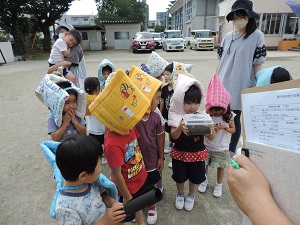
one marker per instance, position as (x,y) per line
(156,35)
(203,34)
(175,34)
(143,36)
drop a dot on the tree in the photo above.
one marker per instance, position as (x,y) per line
(13,20)
(159,28)
(120,10)
(45,14)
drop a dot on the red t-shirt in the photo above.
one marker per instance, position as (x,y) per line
(124,151)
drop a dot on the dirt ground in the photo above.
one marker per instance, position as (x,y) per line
(27,186)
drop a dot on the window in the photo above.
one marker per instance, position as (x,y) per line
(189,11)
(84,35)
(279,23)
(121,35)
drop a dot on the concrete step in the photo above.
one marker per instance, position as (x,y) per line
(297,49)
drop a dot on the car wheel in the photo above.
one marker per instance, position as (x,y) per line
(196,48)
(212,49)
(191,47)
(133,50)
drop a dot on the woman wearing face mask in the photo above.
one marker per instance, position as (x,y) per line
(241,54)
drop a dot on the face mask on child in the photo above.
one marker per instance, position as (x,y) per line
(61,35)
(240,23)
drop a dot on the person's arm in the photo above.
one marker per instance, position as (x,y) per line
(66,53)
(161,104)
(231,129)
(53,68)
(257,67)
(176,131)
(160,141)
(212,134)
(252,193)
(108,200)
(121,184)
(114,215)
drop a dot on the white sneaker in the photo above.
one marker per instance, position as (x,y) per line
(167,150)
(189,203)
(217,191)
(161,189)
(179,203)
(152,215)
(104,161)
(170,165)
(203,186)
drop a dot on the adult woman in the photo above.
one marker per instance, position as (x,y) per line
(241,54)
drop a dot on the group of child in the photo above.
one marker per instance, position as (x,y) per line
(136,158)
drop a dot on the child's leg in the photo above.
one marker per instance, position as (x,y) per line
(192,188)
(220,175)
(71,77)
(139,217)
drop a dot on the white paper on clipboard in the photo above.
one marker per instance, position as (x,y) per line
(271,132)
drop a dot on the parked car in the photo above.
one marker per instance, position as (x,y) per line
(173,41)
(157,39)
(143,41)
(201,39)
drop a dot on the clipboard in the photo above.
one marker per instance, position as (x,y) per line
(271,136)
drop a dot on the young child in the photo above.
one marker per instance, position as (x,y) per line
(126,162)
(105,68)
(71,124)
(78,158)
(188,153)
(94,127)
(271,75)
(62,48)
(166,95)
(151,141)
(217,105)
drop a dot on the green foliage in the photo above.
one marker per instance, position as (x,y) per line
(120,10)
(159,28)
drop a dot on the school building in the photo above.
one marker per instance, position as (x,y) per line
(276,20)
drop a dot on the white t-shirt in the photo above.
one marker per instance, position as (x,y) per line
(56,55)
(94,126)
(222,138)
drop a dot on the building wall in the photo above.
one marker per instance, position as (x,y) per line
(123,41)
(7,52)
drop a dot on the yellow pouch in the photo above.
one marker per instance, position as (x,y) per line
(146,83)
(121,105)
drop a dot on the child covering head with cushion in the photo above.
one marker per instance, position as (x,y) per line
(189,152)
(86,202)
(217,106)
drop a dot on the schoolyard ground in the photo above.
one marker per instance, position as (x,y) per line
(27,185)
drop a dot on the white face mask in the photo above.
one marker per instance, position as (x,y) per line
(240,23)
(61,35)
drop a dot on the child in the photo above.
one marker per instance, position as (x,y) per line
(62,48)
(105,68)
(166,95)
(271,75)
(71,124)
(151,141)
(188,153)
(94,127)
(125,160)
(217,105)
(78,158)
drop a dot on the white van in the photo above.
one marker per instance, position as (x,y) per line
(173,41)
(201,39)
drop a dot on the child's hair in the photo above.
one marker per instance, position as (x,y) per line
(76,34)
(169,68)
(76,154)
(67,84)
(192,95)
(107,68)
(279,75)
(227,115)
(91,84)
